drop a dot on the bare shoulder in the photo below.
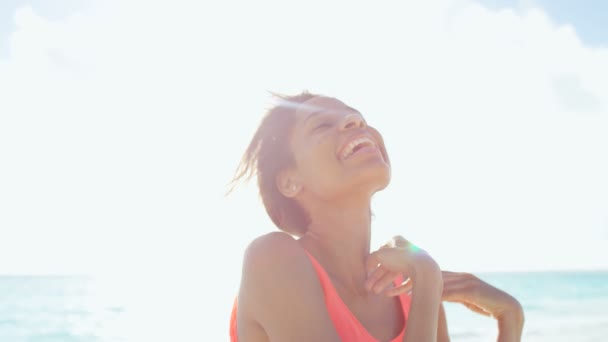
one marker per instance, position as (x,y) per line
(269,246)
(275,257)
(278,277)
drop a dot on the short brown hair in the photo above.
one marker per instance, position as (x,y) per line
(268,154)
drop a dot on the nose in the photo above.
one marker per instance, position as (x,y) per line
(353,121)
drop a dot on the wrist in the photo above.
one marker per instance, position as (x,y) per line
(512,320)
(426,273)
(511,324)
(514,314)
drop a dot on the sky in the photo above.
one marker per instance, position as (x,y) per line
(122,122)
(587,16)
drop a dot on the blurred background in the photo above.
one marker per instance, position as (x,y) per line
(122,122)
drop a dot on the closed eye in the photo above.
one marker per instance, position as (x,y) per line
(321,126)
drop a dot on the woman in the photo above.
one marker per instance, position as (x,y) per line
(318,164)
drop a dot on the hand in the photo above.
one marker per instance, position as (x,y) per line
(487,300)
(400,258)
(478,295)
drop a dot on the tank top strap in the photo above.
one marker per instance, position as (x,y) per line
(332,299)
(347,325)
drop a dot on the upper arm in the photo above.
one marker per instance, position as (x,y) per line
(280,291)
(442,326)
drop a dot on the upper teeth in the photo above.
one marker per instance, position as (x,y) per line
(348,150)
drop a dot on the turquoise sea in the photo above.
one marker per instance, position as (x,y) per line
(559,306)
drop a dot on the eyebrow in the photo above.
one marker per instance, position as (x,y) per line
(324,110)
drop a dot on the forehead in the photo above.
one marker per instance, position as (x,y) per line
(321,104)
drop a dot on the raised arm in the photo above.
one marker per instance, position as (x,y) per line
(424,313)
(280,293)
(400,257)
(485,299)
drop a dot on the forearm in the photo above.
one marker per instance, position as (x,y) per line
(422,318)
(425,308)
(442,326)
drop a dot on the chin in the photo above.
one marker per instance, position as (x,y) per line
(375,179)
(384,182)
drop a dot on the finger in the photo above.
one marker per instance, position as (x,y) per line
(472,306)
(451,275)
(389,244)
(399,241)
(384,282)
(403,288)
(447,275)
(459,291)
(477,309)
(459,279)
(402,243)
(373,278)
(372,262)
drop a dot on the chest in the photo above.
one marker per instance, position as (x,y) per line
(382,317)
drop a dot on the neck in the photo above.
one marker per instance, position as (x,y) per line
(339,236)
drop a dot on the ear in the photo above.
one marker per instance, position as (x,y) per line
(288,184)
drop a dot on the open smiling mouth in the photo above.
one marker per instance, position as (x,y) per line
(359,145)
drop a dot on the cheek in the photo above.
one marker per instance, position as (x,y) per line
(319,165)
(380,140)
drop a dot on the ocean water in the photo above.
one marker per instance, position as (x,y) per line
(558,306)
(117,309)
(567,306)
(56,308)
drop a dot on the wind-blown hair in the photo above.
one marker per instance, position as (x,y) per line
(267,155)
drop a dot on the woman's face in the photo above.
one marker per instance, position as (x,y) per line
(336,152)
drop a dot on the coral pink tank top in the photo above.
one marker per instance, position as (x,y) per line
(347,325)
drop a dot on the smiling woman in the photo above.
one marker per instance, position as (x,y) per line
(318,163)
